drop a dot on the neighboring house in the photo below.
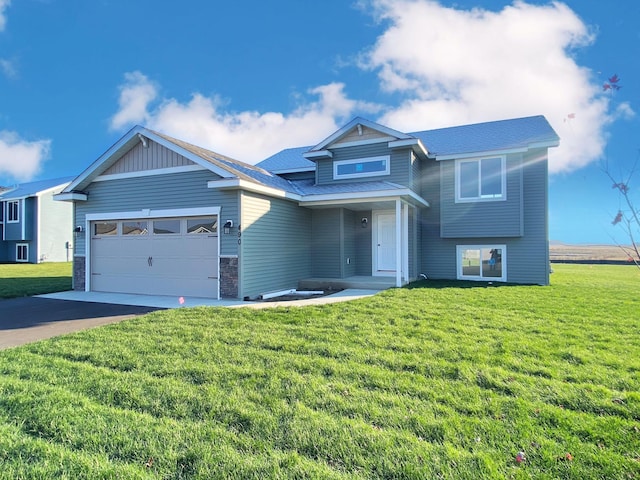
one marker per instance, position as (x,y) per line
(33,227)
(157,215)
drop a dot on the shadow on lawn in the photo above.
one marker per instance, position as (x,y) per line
(25,286)
(438,284)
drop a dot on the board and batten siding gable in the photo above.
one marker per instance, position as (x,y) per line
(275,245)
(152,157)
(158,192)
(364,133)
(400,167)
(500,218)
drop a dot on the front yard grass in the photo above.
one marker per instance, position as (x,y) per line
(26,279)
(443,380)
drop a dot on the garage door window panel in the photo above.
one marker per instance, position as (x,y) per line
(135,228)
(105,228)
(202,226)
(166,227)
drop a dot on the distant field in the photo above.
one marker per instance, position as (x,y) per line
(558,252)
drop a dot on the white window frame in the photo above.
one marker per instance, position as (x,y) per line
(459,266)
(387,171)
(9,216)
(482,198)
(26,249)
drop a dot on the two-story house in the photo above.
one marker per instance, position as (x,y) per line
(33,227)
(156,215)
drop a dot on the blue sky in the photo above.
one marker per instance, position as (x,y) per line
(249,78)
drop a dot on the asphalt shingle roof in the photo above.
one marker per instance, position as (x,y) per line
(464,139)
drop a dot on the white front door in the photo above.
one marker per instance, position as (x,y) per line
(384,256)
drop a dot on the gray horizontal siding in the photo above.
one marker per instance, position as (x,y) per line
(275,245)
(527,256)
(363,244)
(326,243)
(175,191)
(400,168)
(485,218)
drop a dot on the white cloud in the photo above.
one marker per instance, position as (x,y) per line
(3,17)
(448,66)
(464,66)
(21,159)
(135,95)
(249,136)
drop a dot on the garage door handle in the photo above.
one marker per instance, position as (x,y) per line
(150,261)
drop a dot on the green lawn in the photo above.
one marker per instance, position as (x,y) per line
(445,380)
(25,279)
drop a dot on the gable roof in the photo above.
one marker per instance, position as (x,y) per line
(516,134)
(32,189)
(221,165)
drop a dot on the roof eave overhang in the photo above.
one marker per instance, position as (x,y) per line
(414,143)
(363,197)
(504,151)
(314,155)
(71,197)
(240,184)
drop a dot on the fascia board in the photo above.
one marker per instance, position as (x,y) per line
(363,197)
(239,184)
(415,143)
(318,154)
(70,197)
(506,151)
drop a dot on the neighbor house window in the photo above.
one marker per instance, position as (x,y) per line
(22,252)
(13,211)
(480,179)
(362,167)
(484,262)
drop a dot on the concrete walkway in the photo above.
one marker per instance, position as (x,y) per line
(177,302)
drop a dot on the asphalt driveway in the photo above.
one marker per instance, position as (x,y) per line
(28,319)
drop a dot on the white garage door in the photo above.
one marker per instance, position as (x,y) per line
(165,256)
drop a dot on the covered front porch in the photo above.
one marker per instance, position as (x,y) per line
(364,242)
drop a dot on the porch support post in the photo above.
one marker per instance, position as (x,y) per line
(398,243)
(405,243)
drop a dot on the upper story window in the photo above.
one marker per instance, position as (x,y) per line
(481,179)
(362,167)
(13,211)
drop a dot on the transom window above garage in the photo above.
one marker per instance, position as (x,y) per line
(162,226)
(362,167)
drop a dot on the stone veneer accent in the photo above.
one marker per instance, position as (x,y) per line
(229,277)
(79,269)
